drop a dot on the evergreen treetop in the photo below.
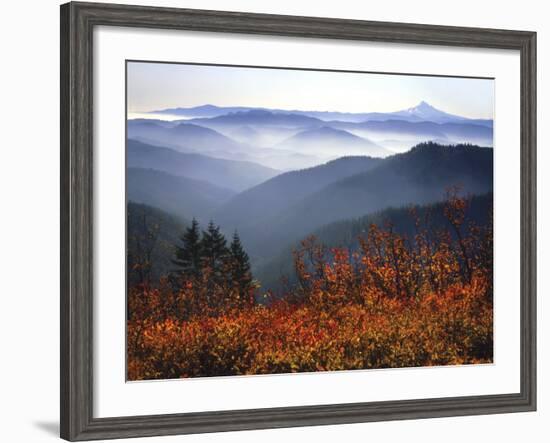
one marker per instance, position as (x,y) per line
(188,256)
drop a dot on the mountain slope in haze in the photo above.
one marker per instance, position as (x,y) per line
(261,117)
(259,127)
(345,233)
(398,127)
(419,176)
(230,174)
(244,134)
(262,136)
(155,232)
(468,133)
(144,122)
(330,142)
(451,133)
(192,138)
(276,195)
(185,137)
(181,196)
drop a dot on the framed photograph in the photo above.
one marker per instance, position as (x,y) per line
(272,221)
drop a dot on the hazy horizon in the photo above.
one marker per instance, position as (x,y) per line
(157,86)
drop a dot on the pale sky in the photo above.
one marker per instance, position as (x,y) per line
(155,86)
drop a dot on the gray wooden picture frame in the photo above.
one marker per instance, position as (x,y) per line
(77,24)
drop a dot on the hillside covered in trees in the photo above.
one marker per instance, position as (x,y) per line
(346,233)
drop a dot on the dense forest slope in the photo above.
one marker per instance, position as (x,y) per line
(420,176)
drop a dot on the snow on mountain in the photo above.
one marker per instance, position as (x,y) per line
(426,112)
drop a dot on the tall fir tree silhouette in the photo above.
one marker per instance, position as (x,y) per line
(240,269)
(214,250)
(189,256)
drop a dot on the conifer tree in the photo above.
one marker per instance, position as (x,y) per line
(188,256)
(240,268)
(214,260)
(214,249)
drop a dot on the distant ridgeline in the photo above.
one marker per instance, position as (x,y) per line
(423,112)
(290,140)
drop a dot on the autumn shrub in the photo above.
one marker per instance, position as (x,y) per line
(392,302)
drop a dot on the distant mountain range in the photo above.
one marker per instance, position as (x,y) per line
(426,112)
(287,140)
(422,112)
(295,142)
(191,138)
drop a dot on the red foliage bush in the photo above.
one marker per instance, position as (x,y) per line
(393,302)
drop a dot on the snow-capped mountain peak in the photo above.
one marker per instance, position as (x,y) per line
(425,111)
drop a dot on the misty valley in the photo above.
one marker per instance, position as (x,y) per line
(207,176)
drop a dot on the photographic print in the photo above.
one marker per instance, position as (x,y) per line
(292,220)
